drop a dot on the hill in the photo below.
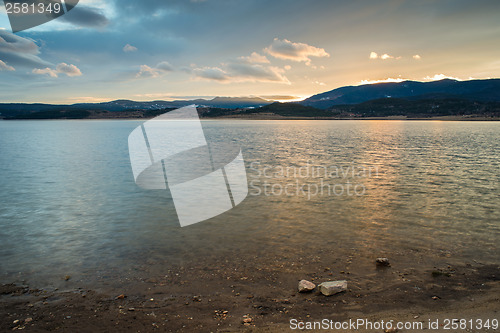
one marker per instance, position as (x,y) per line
(23,110)
(473,90)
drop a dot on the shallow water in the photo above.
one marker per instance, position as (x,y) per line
(69,204)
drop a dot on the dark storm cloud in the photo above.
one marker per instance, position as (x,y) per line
(19,51)
(86,16)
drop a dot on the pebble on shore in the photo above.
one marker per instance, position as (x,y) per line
(333,287)
(382,262)
(305,286)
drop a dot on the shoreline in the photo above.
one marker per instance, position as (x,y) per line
(443,118)
(213,298)
(277,117)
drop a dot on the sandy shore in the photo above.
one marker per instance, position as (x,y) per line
(218,298)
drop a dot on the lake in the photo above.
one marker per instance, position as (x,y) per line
(417,191)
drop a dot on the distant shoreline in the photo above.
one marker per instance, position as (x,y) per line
(441,118)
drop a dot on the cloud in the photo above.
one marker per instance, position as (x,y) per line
(255,58)
(256,73)
(146,71)
(49,71)
(5,67)
(164,66)
(69,70)
(62,68)
(20,51)
(243,69)
(85,16)
(417,57)
(389,79)
(385,56)
(13,43)
(319,83)
(211,73)
(280,97)
(153,72)
(151,7)
(438,77)
(300,52)
(129,48)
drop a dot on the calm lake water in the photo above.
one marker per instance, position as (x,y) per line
(69,204)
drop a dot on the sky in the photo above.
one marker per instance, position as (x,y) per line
(278,50)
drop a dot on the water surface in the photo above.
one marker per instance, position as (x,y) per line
(69,204)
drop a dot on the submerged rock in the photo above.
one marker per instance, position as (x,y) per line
(382,262)
(333,287)
(305,286)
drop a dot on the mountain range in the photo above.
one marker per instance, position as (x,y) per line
(18,109)
(381,99)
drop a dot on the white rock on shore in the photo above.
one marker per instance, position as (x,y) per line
(305,286)
(382,262)
(333,287)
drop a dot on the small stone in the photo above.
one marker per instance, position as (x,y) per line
(391,330)
(305,286)
(131,309)
(247,320)
(382,262)
(333,287)
(122,296)
(28,320)
(15,322)
(435,297)
(67,277)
